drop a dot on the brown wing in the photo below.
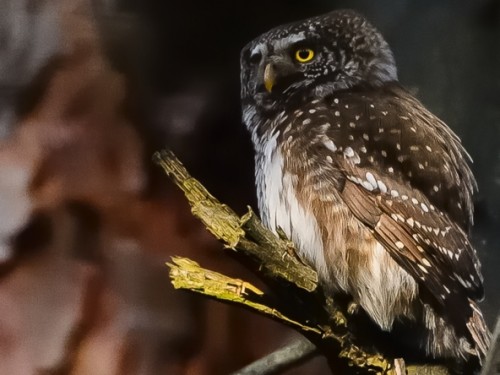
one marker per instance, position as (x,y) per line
(404,174)
(429,247)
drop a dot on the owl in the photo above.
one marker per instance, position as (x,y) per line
(372,188)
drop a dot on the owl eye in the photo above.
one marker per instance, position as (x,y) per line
(304,55)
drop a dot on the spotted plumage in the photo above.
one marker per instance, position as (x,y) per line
(374,190)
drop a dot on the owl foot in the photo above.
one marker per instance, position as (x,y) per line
(353,308)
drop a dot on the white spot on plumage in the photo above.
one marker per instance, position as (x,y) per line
(351,155)
(426,262)
(367,185)
(399,244)
(404,197)
(428,148)
(329,159)
(336,101)
(349,152)
(414,148)
(414,201)
(383,153)
(390,170)
(410,222)
(352,125)
(424,207)
(330,145)
(371,179)
(382,187)
(394,193)
(363,149)
(435,188)
(337,113)
(307,121)
(357,117)
(422,268)
(366,137)
(312,111)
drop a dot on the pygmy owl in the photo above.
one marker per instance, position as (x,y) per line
(372,188)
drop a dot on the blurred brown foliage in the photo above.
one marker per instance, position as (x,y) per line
(83,286)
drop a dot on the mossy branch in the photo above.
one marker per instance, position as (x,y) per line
(277,261)
(245,234)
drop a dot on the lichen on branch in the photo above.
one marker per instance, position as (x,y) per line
(276,260)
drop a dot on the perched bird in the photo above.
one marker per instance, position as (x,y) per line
(372,188)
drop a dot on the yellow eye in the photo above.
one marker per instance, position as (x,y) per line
(304,55)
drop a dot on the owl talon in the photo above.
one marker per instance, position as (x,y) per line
(282,235)
(353,308)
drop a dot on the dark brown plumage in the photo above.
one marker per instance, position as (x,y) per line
(374,190)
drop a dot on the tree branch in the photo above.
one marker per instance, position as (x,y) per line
(324,323)
(245,234)
(282,359)
(187,274)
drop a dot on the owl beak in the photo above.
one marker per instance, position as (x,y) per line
(269,77)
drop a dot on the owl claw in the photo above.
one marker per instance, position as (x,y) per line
(352,308)
(290,247)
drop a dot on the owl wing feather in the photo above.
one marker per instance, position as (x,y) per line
(407,179)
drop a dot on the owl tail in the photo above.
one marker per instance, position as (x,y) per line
(479,332)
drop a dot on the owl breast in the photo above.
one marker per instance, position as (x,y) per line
(328,236)
(279,205)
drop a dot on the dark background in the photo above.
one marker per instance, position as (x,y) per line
(447,52)
(179,62)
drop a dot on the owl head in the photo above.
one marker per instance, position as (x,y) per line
(314,57)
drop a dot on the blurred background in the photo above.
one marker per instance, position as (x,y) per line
(89,89)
